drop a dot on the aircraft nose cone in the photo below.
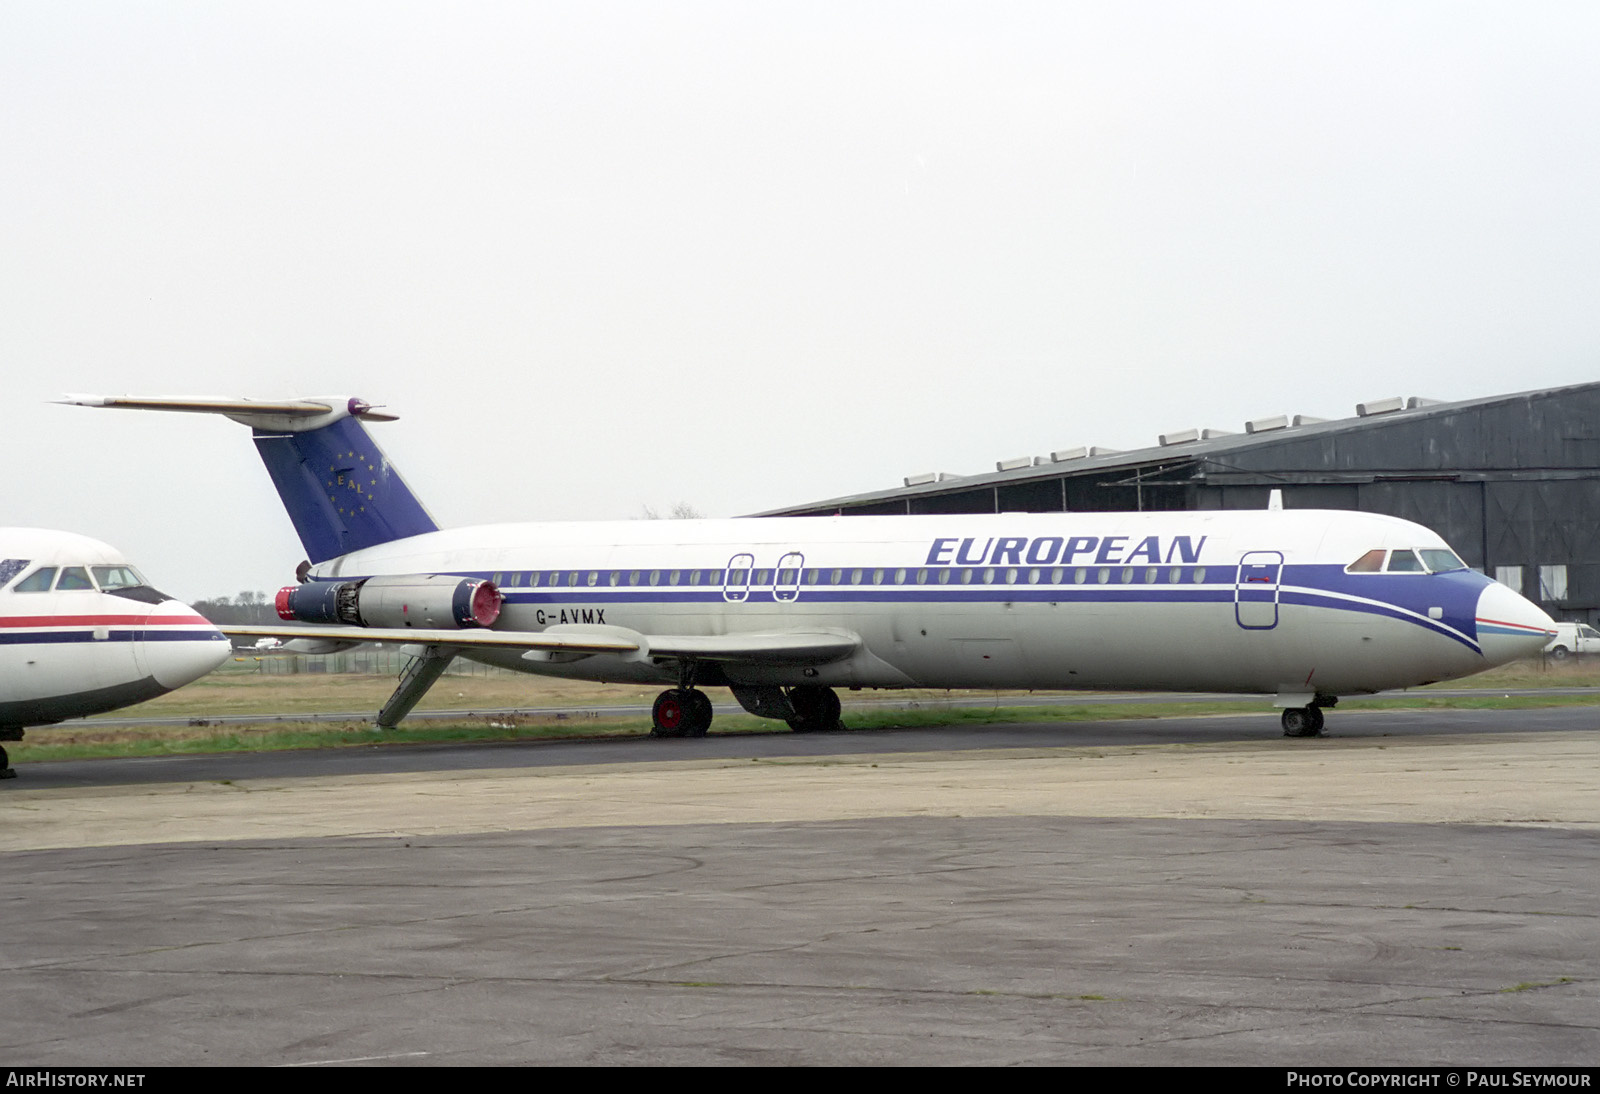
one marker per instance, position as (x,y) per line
(179,646)
(1511,627)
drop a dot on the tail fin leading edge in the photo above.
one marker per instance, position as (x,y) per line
(340,490)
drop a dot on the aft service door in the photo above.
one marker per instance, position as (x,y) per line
(1255,594)
(786,581)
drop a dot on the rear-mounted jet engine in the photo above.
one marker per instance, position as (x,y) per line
(435,601)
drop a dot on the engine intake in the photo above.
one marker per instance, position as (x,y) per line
(432,601)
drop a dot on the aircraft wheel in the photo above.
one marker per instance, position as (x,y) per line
(1302,722)
(700,713)
(815,707)
(6,770)
(672,714)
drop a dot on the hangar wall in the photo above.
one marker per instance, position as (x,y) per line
(1511,481)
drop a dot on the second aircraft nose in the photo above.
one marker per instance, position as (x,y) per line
(178,646)
(1510,626)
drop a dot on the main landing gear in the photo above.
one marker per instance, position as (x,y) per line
(6,770)
(681,712)
(684,711)
(815,707)
(1307,721)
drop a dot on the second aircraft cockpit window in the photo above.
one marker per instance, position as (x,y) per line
(11,567)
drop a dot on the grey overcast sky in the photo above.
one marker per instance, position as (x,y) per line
(603,255)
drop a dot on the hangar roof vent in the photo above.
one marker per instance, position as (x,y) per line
(1381,406)
(1189,436)
(1082,452)
(1265,425)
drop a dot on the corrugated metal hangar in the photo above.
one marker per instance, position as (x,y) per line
(1511,481)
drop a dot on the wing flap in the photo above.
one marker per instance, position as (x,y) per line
(777,648)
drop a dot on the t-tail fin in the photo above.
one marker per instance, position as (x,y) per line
(339,488)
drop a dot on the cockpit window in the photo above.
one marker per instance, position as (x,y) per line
(116,577)
(1440,561)
(1369,563)
(11,567)
(38,581)
(1424,560)
(1404,562)
(74,578)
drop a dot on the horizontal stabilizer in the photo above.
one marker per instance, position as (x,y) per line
(338,487)
(293,415)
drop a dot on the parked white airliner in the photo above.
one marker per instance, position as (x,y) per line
(1303,605)
(81,632)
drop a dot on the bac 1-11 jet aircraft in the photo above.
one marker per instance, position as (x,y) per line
(82,633)
(1302,605)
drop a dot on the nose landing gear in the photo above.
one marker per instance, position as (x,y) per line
(1307,721)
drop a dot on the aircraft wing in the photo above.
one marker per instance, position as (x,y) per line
(774,648)
(463,639)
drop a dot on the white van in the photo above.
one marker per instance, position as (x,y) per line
(1573,638)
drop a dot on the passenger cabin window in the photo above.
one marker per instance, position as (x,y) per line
(74,579)
(38,581)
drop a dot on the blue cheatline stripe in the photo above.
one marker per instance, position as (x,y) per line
(1316,599)
(1404,597)
(985,594)
(53,638)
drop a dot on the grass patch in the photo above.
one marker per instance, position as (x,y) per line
(238,689)
(89,741)
(1536,985)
